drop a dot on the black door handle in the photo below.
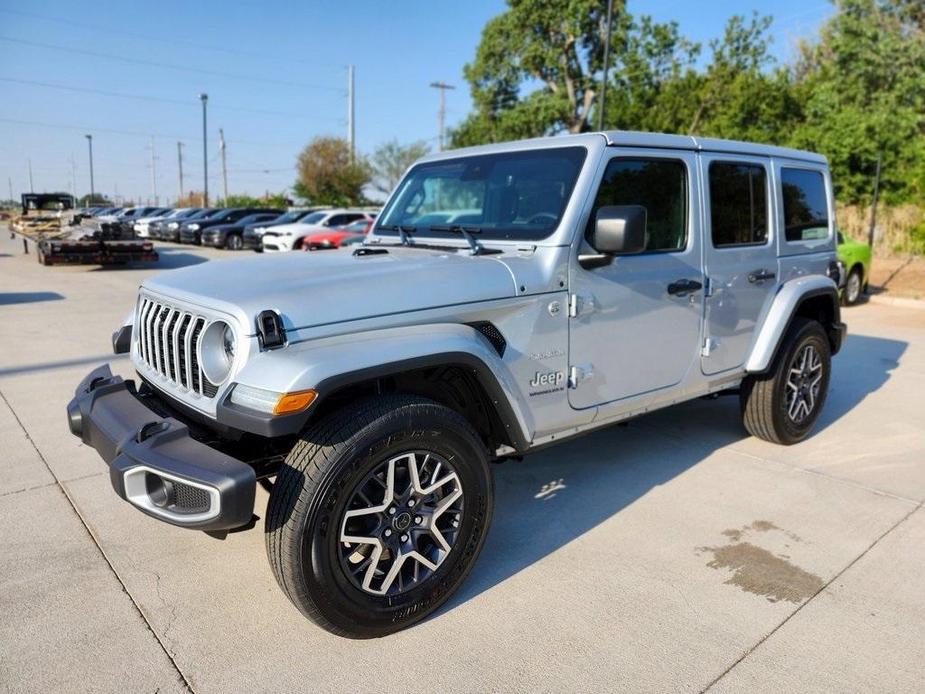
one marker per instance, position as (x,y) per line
(682,287)
(761,276)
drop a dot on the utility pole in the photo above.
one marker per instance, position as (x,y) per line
(90,144)
(600,111)
(31,187)
(205,153)
(441,112)
(180,167)
(351,134)
(221,148)
(9,181)
(154,172)
(73,176)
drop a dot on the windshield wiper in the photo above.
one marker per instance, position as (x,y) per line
(466,232)
(403,231)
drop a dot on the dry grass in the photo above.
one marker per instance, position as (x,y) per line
(899,228)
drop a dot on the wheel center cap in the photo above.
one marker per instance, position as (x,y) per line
(402,521)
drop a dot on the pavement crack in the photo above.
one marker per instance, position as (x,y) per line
(181,677)
(834,578)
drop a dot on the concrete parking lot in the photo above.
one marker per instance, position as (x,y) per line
(674,553)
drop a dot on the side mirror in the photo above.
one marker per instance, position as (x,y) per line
(619,230)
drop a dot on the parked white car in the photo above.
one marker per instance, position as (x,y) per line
(288,237)
(141,226)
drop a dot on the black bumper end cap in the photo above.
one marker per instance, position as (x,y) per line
(75,420)
(122,340)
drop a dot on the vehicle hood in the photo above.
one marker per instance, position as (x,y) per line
(297,229)
(330,235)
(312,289)
(204,223)
(227,226)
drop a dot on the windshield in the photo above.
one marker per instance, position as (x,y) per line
(289,217)
(509,195)
(254,218)
(313,218)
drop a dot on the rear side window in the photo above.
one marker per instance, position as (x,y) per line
(738,204)
(660,186)
(806,209)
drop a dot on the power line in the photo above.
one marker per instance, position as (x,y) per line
(160,40)
(136,133)
(169,66)
(143,97)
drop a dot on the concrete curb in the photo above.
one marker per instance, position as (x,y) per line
(897,301)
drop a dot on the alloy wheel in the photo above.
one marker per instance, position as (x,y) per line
(853,288)
(803,383)
(400,523)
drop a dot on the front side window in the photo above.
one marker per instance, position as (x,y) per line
(658,185)
(738,204)
(508,195)
(806,209)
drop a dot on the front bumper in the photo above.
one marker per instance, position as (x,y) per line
(273,244)
(252,241)
(212,239)
(186,236)
(154,462)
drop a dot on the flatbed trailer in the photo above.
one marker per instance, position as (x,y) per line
(60,241)
(94,252)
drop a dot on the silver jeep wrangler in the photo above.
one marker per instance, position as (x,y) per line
(508,297)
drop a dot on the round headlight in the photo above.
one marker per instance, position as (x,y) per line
(216,351)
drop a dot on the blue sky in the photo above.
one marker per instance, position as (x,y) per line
(275,74)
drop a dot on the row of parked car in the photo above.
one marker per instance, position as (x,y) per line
(236,228)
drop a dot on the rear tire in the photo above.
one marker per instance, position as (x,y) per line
(327,493)
(782,405)
(854,287)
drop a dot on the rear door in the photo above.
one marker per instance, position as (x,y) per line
(739,255)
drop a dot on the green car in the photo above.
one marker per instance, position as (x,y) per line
(854,264)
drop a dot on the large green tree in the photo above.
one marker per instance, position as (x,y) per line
(862,86)
(537,69)
(329,175)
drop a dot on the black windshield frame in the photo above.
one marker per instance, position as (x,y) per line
(512,183)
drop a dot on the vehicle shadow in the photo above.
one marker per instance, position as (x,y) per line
(8,298)
(168,259)
(558,494)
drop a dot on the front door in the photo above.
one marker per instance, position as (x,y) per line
(739,253)
(635,325)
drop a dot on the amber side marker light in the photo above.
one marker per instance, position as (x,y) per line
(294,402)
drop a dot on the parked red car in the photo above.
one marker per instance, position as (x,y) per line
(332,239)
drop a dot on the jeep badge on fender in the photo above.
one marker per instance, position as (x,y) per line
(369,389)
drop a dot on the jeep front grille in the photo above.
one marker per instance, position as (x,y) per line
(167,342)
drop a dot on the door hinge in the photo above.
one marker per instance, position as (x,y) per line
(580,304)
(577,374)
(707,286)
(709,346)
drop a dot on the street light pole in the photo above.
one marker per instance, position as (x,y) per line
(92,190)
(603,106)
(205,153)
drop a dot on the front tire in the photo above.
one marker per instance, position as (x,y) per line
(362,566)
(782,405)
(234,242)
